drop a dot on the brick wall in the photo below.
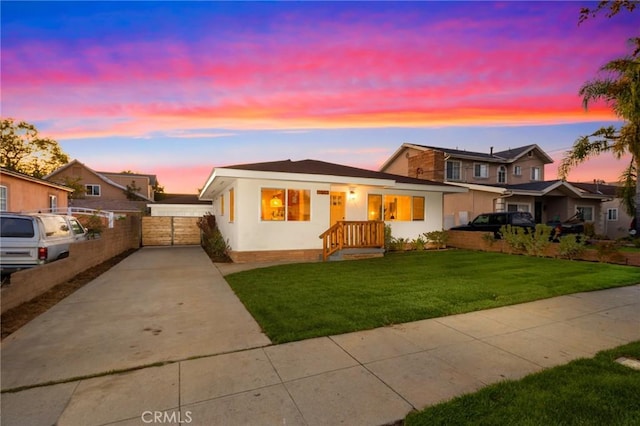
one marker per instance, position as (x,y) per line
(428,165)
(275,255)
(471,240)
(30,283)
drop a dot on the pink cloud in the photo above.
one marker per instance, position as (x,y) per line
(345,73)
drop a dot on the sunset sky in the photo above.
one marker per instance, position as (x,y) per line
(176,88)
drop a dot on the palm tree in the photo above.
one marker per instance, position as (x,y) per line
(619,89)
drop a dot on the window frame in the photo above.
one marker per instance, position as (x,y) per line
(612,217)
(502,170)
(375,215)
(93,186)
(53,203)
(283,212)
(413,208)
(535,178)
(411,204)
(517,170)
(459,170)
(590,208)
(481,167)
(4,198)
(518,205)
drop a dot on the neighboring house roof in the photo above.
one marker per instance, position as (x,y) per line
(508,156)
(98,174)
(180,199)
(322,172)
(34,179)
(557,186)
(596,188)
(153,179)
(539,189)
(109,205)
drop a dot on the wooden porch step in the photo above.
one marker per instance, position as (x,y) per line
(357,253)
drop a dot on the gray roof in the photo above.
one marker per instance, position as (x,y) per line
(531,186)
(179,199)
(505,156)
(604,189)
(315,167)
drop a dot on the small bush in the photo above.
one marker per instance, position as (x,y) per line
(94,225)
(438,238)
(212,240)
(389,243)
(489,238)
(589,229)
(609,252)
(532,242)
(419,243)
(571,246)
(402,244)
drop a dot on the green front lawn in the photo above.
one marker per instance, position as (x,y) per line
(300,301)
(596,391)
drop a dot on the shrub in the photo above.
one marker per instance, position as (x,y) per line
(94,225)
(589,229)
(438,238)
(609,251)
(402,244)
(212,240)
(389,242)
(419,243)
(532,242)
(571,246)
(489,238)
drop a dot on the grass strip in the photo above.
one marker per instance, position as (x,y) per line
(596,391)
(300,301)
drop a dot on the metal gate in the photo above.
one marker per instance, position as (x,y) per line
(170,231)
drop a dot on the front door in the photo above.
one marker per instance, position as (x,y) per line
(337,206)
(537,211)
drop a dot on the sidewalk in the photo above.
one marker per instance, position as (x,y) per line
(372,377)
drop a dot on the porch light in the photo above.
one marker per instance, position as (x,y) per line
(352,194)
(275,202)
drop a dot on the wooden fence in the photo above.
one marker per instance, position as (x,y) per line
(170,231)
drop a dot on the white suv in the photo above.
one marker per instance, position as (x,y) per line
(28,240)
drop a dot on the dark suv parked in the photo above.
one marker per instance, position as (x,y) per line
(492,222)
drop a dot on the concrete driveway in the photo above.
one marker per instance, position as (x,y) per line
(159,304)
(209,364)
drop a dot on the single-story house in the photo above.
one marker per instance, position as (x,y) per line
(612,220)
(180,205)
(279,210)
(24,193)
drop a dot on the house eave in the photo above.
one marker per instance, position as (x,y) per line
(477,187)
(212,188)
(36,180)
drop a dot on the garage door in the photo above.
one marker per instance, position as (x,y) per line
(170,230)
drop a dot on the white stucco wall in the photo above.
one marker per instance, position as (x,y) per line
(433,219)
(248,232)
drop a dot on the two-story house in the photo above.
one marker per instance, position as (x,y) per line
(119,192)
(510,180)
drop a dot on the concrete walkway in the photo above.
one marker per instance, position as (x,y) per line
(372,377)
